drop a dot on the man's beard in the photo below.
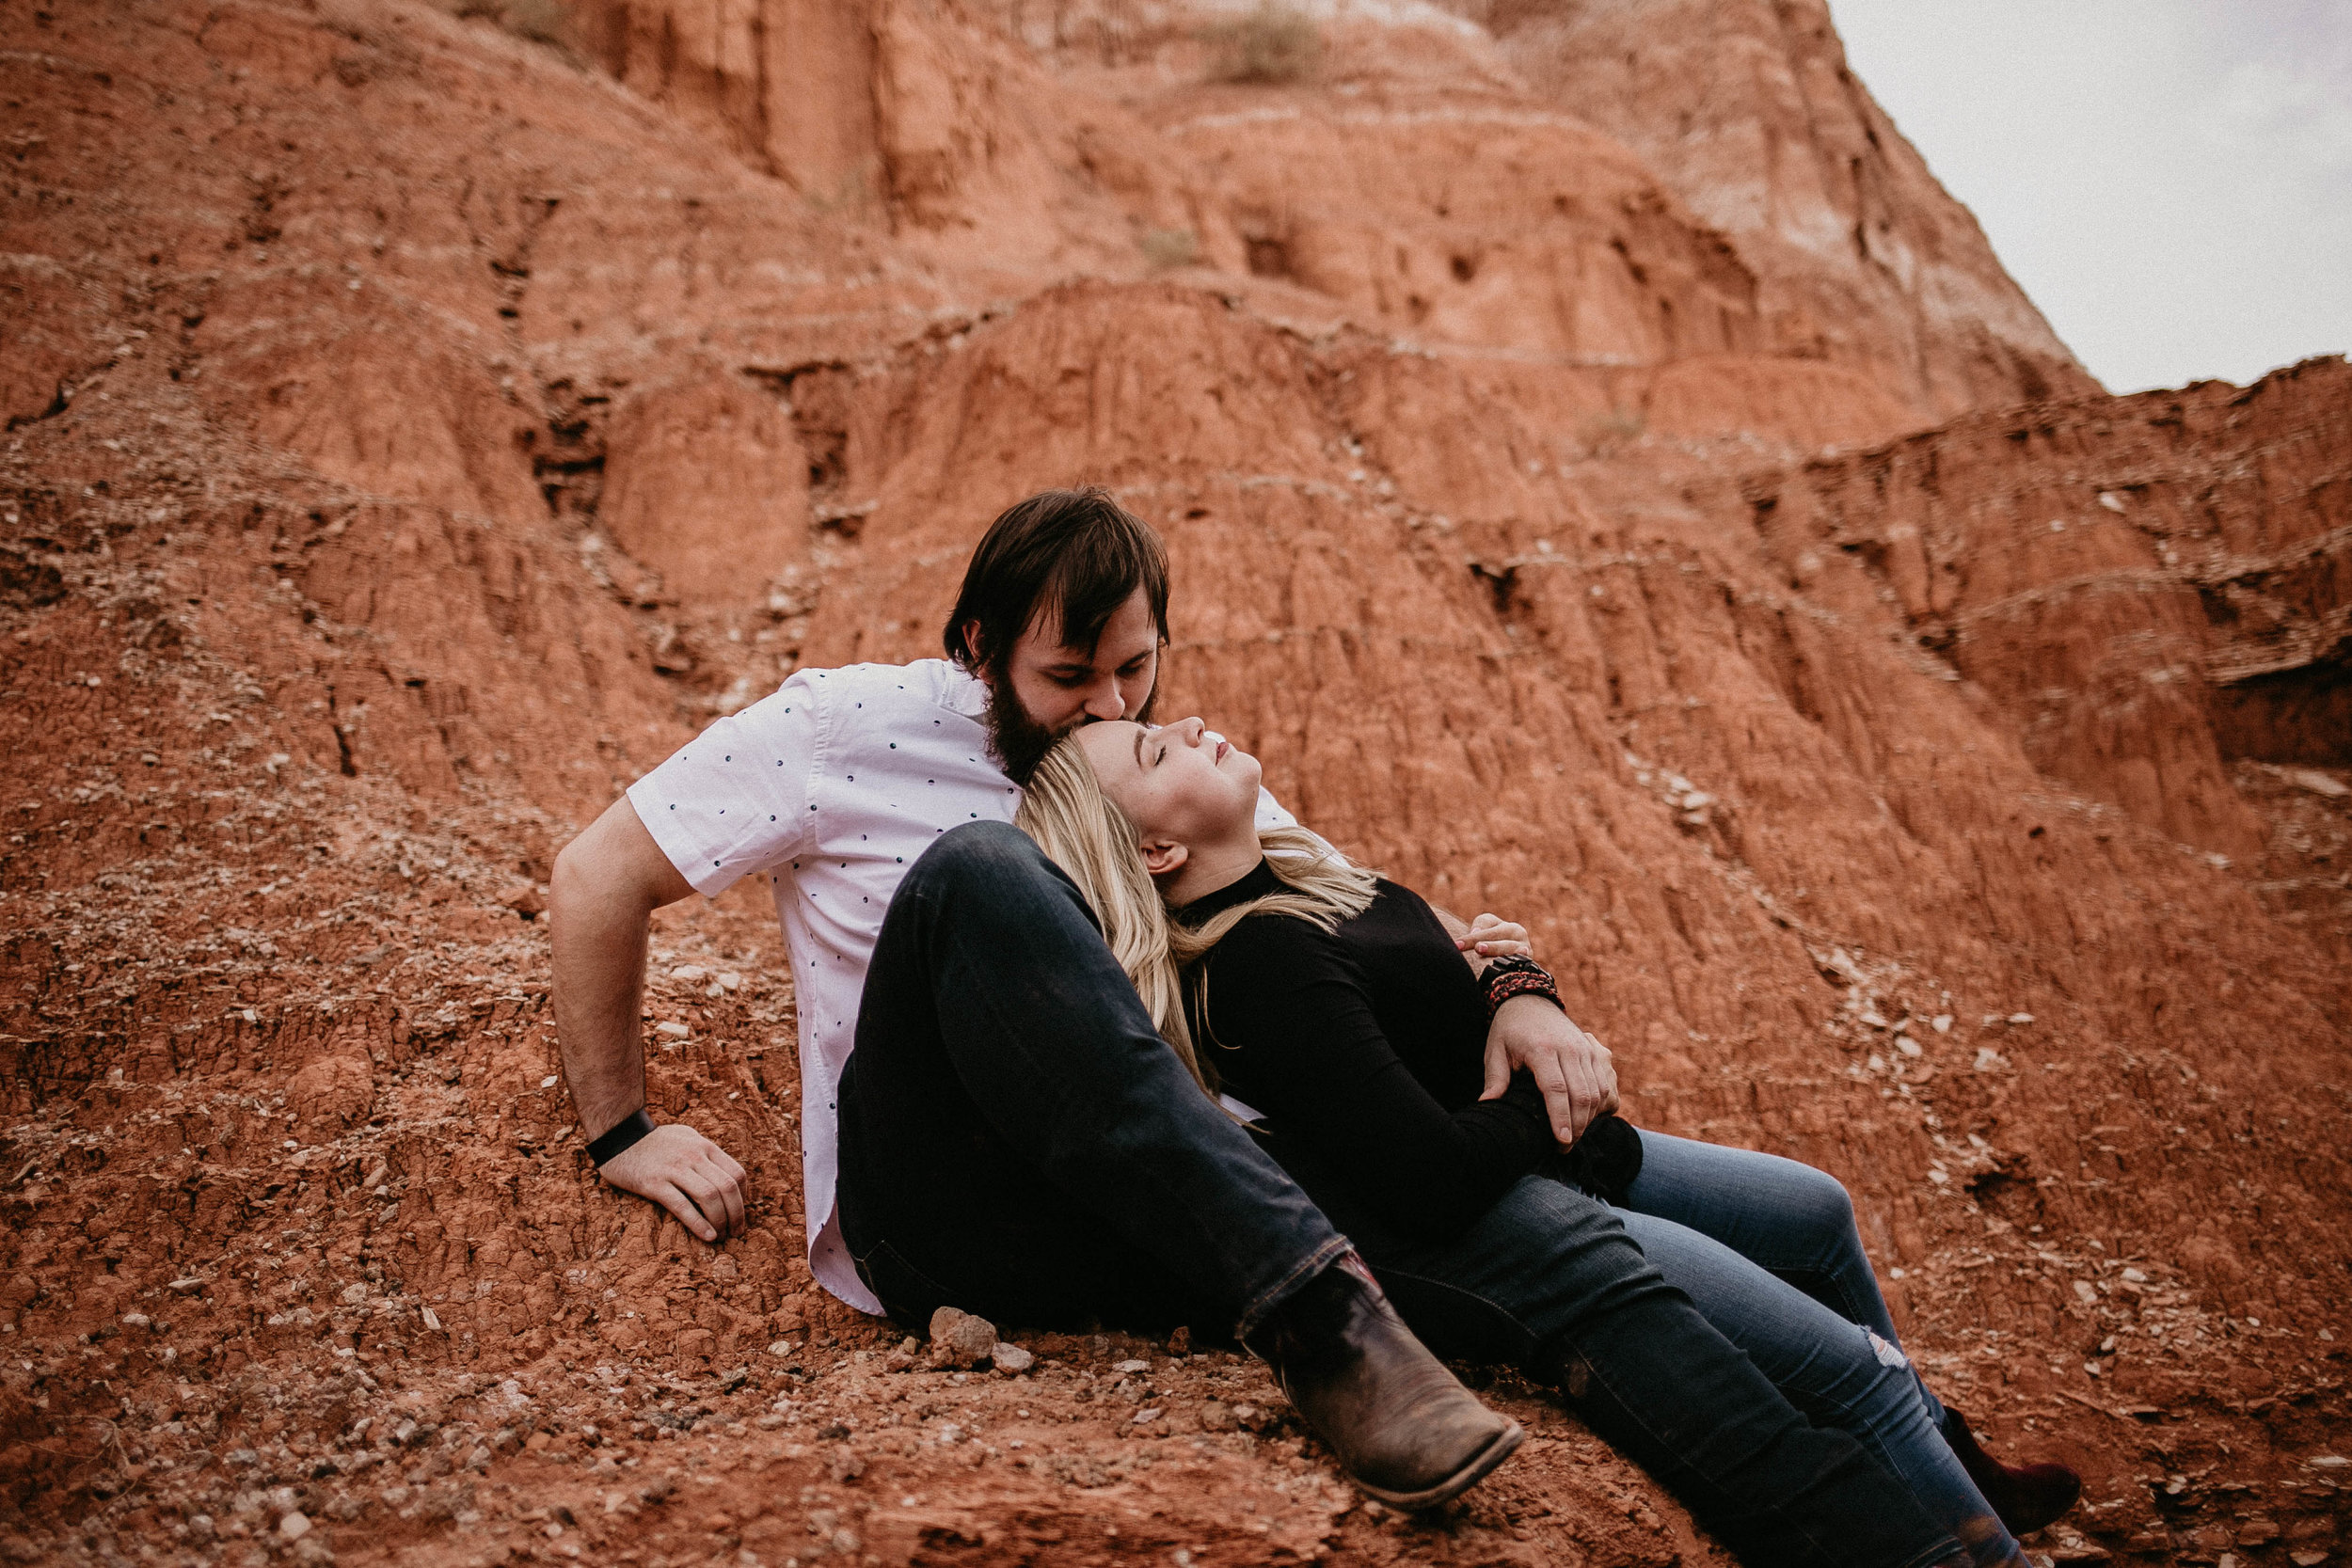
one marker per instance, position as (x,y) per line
(1019,742)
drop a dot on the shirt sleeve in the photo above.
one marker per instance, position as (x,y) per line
(1287,1006)
(1272,814)
(734,799)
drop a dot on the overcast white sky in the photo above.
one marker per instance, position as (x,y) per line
(2169,180)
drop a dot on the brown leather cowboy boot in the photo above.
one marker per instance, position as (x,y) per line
(2026,1496)
(1403,1428)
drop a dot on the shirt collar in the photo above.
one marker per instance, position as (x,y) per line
(965,693)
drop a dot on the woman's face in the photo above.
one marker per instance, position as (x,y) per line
(1180,783)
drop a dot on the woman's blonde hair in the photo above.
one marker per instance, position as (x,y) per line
(1082,832)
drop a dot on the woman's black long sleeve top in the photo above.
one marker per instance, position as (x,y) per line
(1365,1046)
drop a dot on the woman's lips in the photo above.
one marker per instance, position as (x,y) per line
(1223,746)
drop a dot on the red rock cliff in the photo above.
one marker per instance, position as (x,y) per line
(418,425)
(1748,110)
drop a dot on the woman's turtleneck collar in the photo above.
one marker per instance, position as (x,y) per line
(1258,882)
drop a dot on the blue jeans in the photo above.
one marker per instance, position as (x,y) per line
(1767,1250)
(1016,1140)
(1552,1281)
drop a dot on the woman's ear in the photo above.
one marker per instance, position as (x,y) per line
(1161,856)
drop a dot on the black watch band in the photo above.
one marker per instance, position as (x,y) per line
(620,1135)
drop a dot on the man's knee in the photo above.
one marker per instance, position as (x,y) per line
(983,854)
(993,872)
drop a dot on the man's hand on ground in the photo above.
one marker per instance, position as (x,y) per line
(687,1174)
(1573,1070)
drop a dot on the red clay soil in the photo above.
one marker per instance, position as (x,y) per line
(1913,760)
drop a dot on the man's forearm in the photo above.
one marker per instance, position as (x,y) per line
(600,980)
(607,884)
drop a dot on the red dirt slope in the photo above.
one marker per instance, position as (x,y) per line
(415,430)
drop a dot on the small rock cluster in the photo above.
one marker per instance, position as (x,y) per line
(961,1341)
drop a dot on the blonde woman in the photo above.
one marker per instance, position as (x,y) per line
(1332,1010)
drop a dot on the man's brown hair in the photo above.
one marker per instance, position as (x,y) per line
(1073,554)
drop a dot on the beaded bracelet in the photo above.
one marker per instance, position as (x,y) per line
(1513,976)
(622,1135)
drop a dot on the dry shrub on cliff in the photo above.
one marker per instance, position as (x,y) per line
(1606,435)
(1170,247)
(1273,43)
(540,21)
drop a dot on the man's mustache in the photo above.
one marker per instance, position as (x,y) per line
(1019,742)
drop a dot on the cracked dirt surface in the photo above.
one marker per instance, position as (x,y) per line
(416,429)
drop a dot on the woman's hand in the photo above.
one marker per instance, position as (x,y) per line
(1490,936)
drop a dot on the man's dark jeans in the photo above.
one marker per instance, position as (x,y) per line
(1017,1140)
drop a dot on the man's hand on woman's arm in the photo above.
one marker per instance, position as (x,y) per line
(1488,936)
(1573,1070)
(608,882)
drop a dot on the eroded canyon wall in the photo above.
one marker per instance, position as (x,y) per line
(416,429)
(1749,110)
